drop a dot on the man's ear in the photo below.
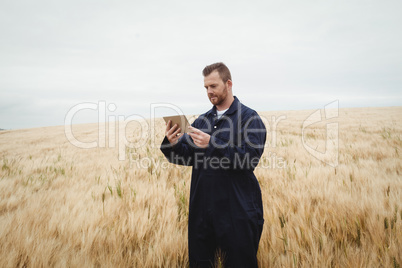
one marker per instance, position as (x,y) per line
(229,84)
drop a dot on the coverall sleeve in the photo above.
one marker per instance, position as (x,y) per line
(247,154)
(182,153)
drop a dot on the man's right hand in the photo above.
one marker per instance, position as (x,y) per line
(172,133)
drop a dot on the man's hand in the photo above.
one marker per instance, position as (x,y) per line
(201,139)
(172,133)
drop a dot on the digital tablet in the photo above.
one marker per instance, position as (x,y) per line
(180,120)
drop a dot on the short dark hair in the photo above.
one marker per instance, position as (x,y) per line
(222,69)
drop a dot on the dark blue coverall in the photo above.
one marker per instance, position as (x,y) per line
(225,210)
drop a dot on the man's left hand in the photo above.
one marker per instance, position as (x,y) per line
(200,138)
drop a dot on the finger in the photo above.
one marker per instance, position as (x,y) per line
(172,129)
(194,137)
(174,139)
(194,134)
(168,125)
(175,135)
(192,129)
(177,131)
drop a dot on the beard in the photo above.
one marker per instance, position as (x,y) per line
(217,99)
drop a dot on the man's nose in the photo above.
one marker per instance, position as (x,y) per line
(209,90)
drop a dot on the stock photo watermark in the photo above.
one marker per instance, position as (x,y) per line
(112,133)
(331,153)
(268,161)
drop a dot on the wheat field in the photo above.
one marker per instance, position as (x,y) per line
(65,206)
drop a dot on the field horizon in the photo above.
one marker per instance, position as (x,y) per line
(260,112)
(118,202)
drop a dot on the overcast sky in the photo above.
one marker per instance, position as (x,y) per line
(283,55)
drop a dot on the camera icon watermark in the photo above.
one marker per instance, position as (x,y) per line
(330,155)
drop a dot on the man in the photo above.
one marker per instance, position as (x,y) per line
(224,146)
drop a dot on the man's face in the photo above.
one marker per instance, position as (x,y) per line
(217,90)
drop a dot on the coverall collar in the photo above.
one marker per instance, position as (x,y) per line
(232,109)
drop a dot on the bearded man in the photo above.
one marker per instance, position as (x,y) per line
(223,147)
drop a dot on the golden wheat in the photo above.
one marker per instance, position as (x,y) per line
(65,206)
